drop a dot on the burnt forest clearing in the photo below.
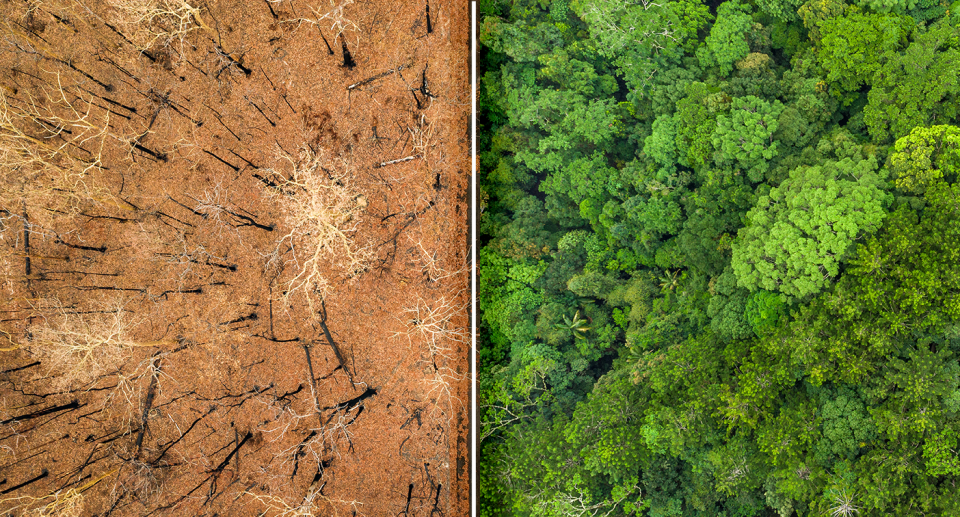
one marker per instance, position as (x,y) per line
(233,256)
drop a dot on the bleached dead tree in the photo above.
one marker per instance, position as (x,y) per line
(336,19)
(51,147)
(77,347)
(321,216)
(153,23)
(434,327)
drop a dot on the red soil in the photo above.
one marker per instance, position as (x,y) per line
(234,400)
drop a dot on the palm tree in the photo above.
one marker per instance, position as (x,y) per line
(577,325)
(670,282)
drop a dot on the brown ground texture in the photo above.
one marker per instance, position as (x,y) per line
(234,257)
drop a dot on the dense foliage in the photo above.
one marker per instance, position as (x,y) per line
(720,266)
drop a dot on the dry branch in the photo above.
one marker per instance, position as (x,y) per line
(51,146)
(434,327)
(338,21)
(321,210)
(78,348)
(313,503)
(63,503)
(151,23)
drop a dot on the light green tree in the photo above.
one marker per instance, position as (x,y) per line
(661,145)
(928,155)
(799,234)
(784,10)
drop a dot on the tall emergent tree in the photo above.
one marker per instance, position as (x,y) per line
(799,233)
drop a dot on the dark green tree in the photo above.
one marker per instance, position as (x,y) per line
(854,48)
(745,137)
(917,87)
(727,42)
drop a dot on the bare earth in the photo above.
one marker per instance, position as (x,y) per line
(174,339)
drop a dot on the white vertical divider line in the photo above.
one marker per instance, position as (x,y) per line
(473,259)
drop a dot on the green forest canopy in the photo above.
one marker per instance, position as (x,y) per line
(720,263)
